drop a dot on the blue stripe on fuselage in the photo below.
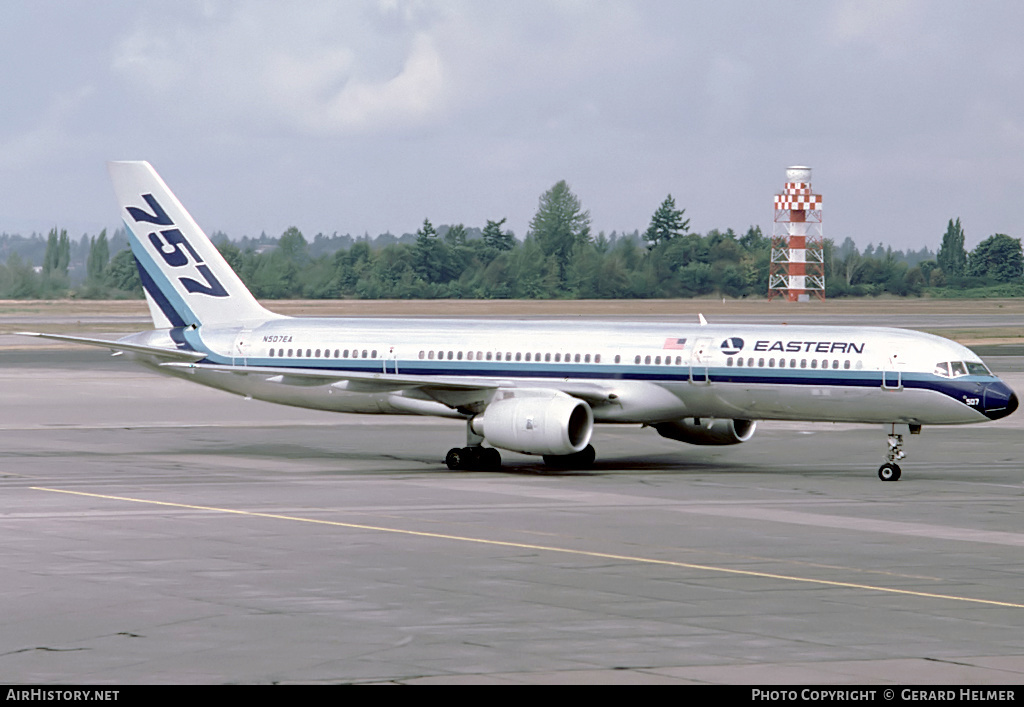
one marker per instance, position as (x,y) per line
(958,389)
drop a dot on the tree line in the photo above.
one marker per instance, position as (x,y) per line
(559,257)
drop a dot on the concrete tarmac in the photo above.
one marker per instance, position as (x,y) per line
(153,531)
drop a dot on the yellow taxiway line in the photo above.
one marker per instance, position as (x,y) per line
(545,548)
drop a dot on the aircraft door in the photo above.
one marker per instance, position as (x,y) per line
(700,355)
(391,361)
(892,374)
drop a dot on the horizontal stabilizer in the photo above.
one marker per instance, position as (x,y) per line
(159,352)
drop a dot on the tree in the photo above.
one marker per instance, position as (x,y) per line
(58,254)
(293,246)
(952,256)
(998,257)
(754,240)
(122,273)
(99,256)
(560,224)
(455,236)
(430,253)
(495,238)
(666,224)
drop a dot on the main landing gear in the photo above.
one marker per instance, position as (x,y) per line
(890,471)
(584,459)
(475,458)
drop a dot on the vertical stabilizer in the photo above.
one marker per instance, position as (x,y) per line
(186,279)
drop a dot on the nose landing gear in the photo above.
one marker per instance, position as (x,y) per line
(890,471)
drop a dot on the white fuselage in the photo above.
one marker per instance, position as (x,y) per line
(638,373)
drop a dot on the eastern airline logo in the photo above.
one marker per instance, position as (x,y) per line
(169,244)
(731,347)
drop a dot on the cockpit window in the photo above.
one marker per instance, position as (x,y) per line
(978,369)
(955,369)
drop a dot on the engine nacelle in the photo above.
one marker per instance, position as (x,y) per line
(707,431)
(547,422)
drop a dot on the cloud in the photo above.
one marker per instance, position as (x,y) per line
(51,137)
(414,96)
(330,69)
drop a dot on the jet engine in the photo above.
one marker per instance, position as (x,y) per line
(541,422)
(707,431)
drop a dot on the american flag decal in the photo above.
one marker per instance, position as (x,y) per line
(674,344)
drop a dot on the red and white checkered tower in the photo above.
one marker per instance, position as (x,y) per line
(798,255)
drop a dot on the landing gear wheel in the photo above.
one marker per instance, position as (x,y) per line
(455,459)
(889,472)
(583,459)
(490,460)
(478,458)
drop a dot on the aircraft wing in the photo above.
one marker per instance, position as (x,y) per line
(450,390)
(118,347)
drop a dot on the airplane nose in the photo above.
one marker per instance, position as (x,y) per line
(1000,401)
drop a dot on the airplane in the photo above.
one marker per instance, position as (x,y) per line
(533,387)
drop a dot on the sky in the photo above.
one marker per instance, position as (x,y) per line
(368,116)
